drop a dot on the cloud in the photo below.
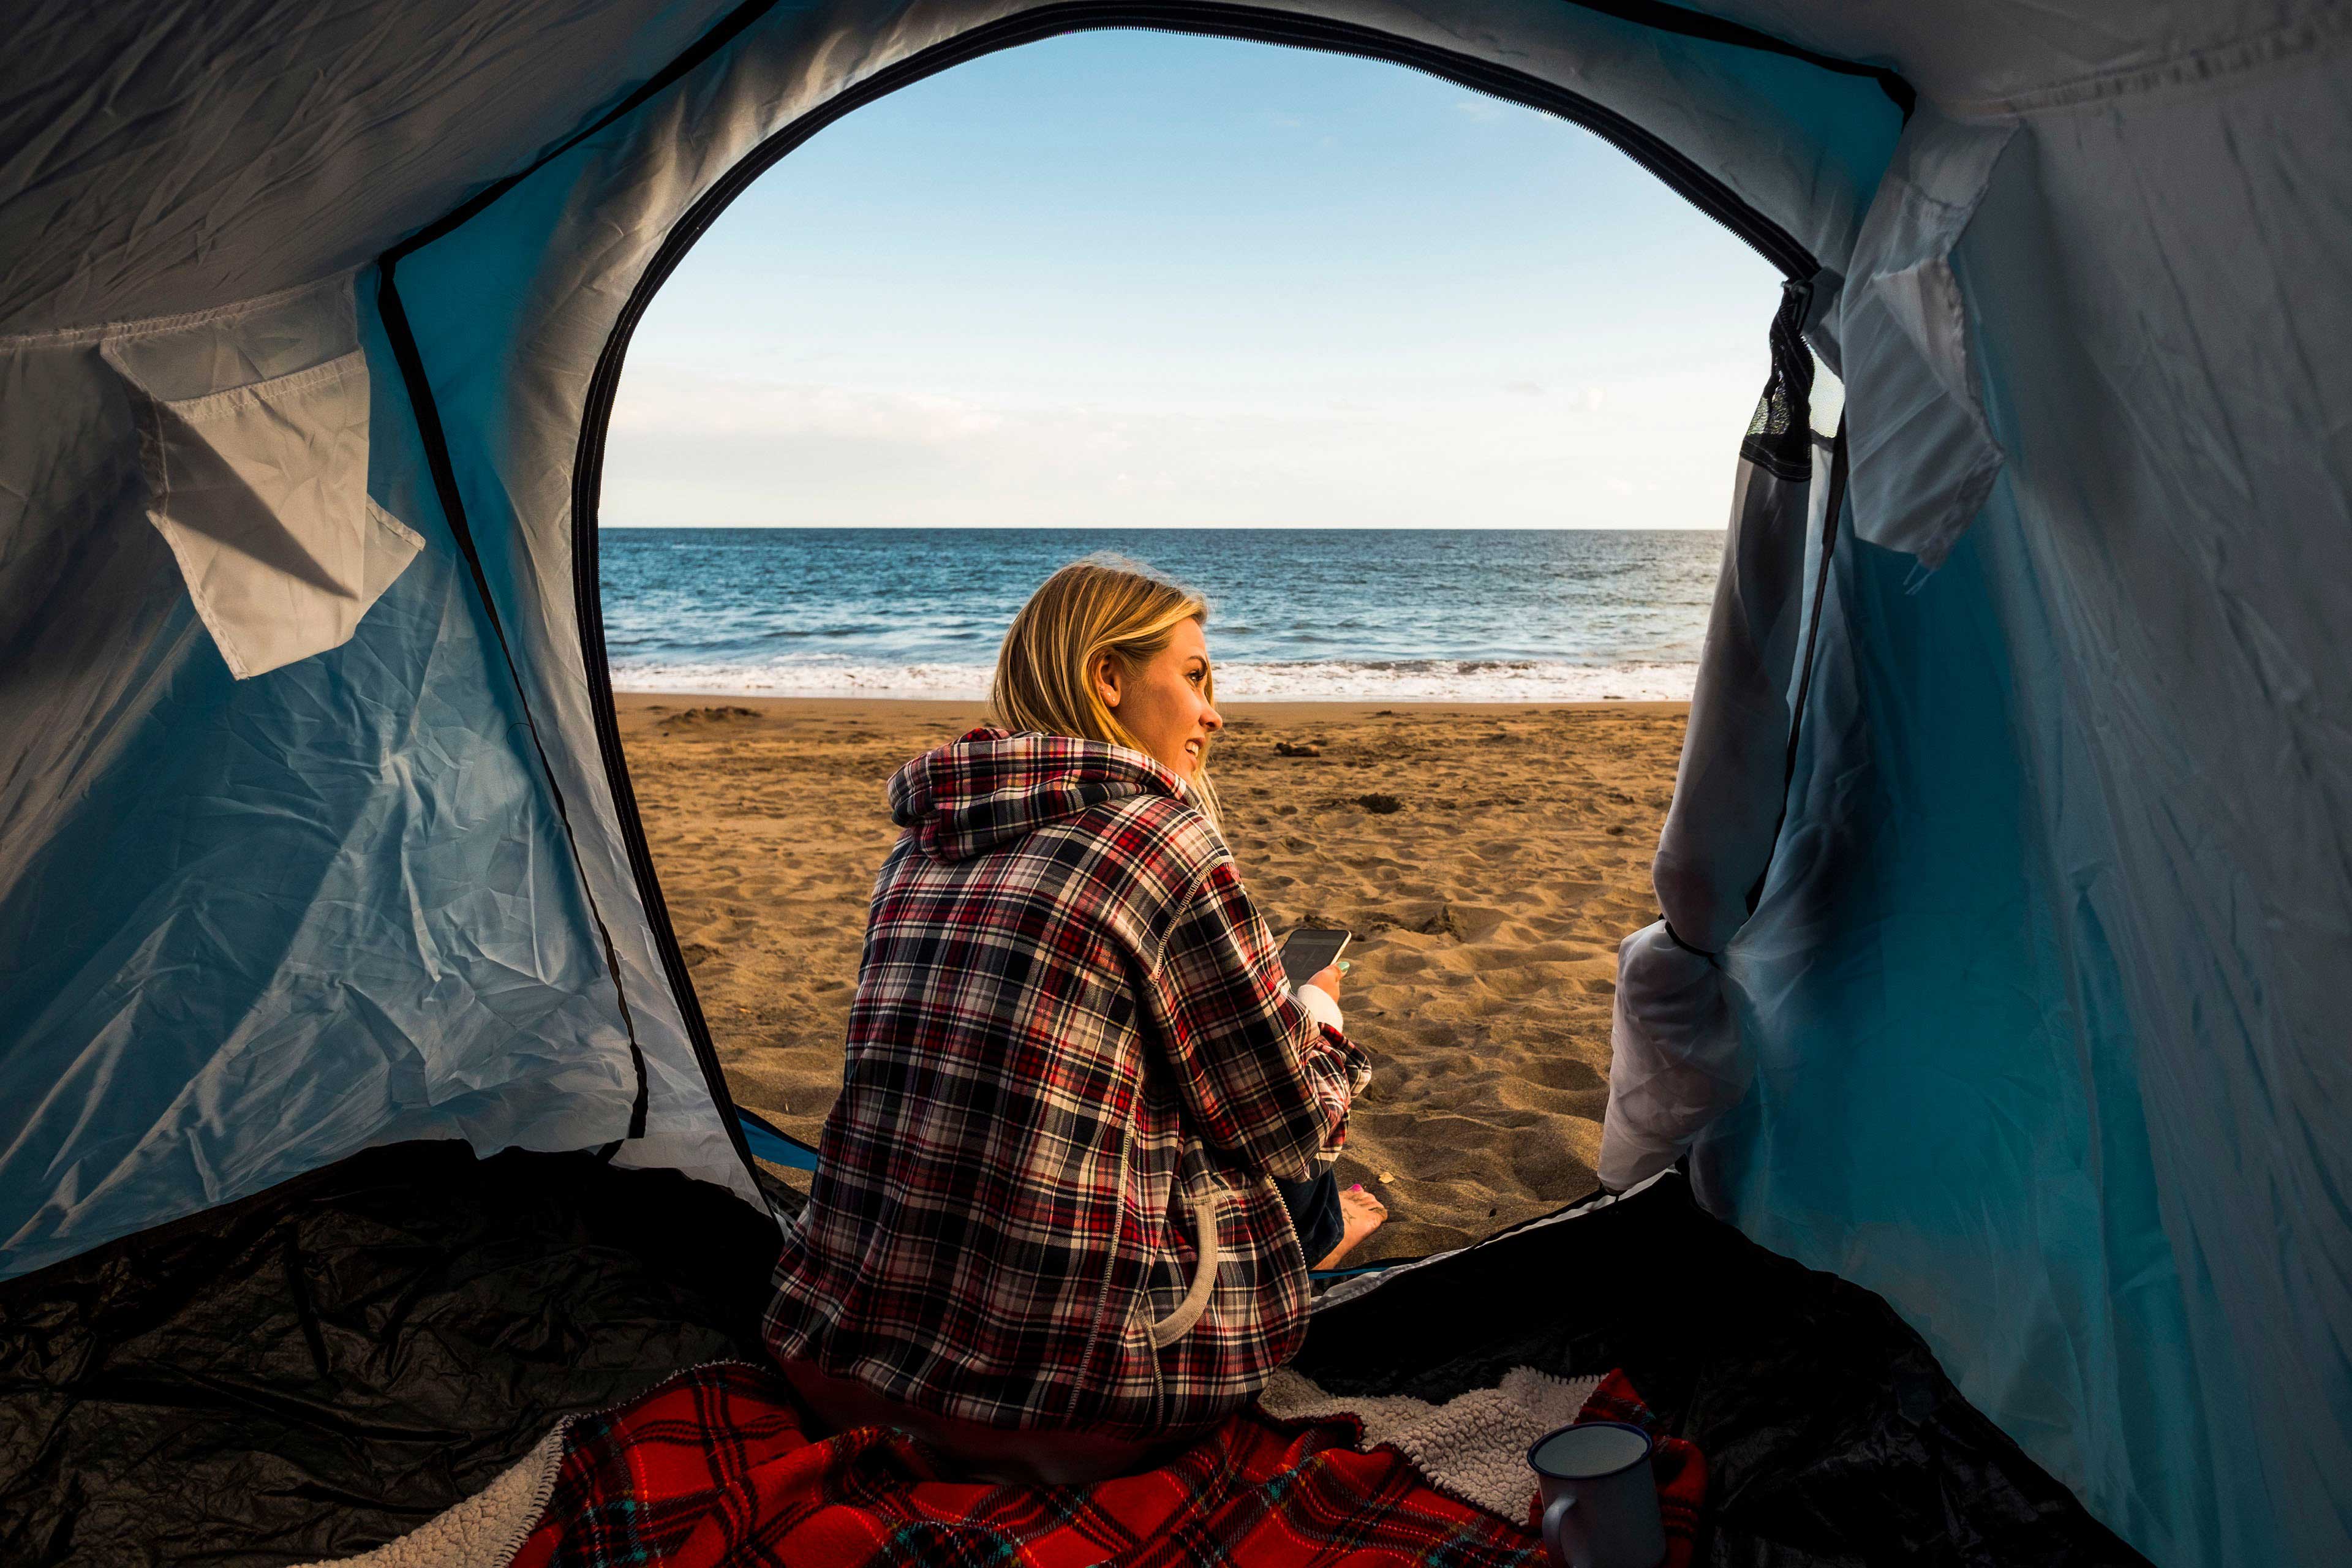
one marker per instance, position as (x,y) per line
(661,400)
(1485,111)
(1586,399)
(734,448)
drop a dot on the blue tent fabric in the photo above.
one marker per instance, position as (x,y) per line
(2041,1031)
(2025,1228)
(231,878)
(2036,1008)
(776,1148)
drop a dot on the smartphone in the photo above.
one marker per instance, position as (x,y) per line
(1306,953)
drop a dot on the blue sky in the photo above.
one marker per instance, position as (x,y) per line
(1133,278)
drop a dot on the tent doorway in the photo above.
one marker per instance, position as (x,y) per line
(1489,857)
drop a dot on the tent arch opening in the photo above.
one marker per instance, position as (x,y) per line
(1705,192)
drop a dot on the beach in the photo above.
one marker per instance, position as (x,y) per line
(1488,858)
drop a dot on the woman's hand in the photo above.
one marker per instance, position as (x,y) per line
(1326,981)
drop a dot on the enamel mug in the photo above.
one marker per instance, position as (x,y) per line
(1600,1499)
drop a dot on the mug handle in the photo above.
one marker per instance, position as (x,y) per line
(1555,1525)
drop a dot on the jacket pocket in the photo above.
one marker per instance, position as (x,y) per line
(1209,1254)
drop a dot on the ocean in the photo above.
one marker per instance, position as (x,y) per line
(1451,614)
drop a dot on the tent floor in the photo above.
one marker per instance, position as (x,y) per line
(327,1364)
(323,1366)
(1832,1435)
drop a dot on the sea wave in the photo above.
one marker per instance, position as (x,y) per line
(1400,680)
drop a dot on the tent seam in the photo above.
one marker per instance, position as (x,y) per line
(2279,46)
(147,326)
(424,409)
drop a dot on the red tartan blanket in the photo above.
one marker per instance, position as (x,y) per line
(714,1467)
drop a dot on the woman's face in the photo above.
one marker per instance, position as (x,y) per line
(1164,704)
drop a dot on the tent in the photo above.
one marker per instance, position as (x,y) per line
(2009,880)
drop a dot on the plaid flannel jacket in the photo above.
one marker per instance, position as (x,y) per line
(1043,1197)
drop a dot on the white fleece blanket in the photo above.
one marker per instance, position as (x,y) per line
(1473,1446)
(485,1530)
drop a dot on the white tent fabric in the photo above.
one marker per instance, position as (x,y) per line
(157,160)
(1676,1062)
(2031,1028)
(1922,460)
(253,431)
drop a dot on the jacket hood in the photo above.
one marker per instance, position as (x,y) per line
(993,787)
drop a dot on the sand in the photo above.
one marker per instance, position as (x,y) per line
(1488,857)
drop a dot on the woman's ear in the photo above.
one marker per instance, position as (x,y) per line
(1105,674)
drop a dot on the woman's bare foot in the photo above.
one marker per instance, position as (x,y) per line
(1362,1214)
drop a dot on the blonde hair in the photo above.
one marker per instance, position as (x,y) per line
(1102,604)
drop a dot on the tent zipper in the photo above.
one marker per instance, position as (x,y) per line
(587,593)
(1218,18)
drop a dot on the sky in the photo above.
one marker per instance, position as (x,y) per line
(1130,279)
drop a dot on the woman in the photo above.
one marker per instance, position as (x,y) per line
(1044,1232)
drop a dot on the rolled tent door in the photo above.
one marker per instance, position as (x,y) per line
(1677,1060)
